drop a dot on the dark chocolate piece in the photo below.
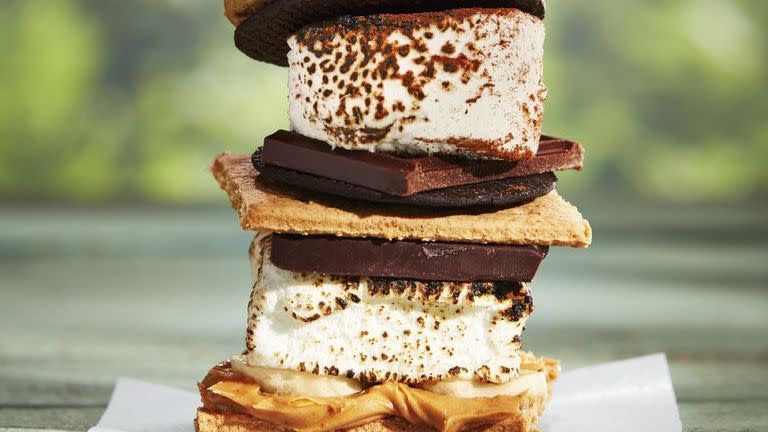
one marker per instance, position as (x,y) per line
(404,175)
(263,35)
(438,261)
(505,192)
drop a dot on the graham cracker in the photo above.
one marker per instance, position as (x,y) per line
(268,206)
(212,421)
(217,417)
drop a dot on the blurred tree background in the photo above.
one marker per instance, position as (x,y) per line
(127,101)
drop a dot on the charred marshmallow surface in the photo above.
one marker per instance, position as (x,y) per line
(464,81)
(376,330)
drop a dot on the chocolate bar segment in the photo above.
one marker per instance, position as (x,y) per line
(436,261)
(500,193)
(407,175)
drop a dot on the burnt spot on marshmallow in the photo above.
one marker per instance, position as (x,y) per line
(483,374)
(308,319)
(351,284)
(456,371)
(521,306)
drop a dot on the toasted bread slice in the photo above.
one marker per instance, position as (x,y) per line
(266,206)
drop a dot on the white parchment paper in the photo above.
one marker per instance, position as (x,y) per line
(629,395)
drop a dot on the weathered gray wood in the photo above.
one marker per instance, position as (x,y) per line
(13,429)
(88,296)
(63,418)
(725,415)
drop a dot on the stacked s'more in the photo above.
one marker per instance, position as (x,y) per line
(398,224)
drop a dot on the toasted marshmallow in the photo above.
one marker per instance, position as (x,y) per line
(376,330)
(288,382)
(464,81)
(291,382)
(535,383)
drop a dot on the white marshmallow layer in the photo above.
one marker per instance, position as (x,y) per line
(463,82)
(374,330)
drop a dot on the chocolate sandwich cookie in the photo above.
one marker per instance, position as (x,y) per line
(263,27)
(436,261)
(500,193)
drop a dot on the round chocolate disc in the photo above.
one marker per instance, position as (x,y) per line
(506,192)
(263,35)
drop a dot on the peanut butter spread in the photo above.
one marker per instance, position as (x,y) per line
(224,390)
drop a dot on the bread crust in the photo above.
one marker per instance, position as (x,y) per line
(265,206)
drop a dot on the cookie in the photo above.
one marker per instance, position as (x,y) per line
(268,206)
(264,27)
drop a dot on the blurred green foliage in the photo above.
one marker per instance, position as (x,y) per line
(113,100)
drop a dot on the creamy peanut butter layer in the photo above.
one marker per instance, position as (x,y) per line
(226,392)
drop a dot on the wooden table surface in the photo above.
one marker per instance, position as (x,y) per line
(87,296)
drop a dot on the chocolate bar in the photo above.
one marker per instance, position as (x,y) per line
(436,261)
(407,175)
(500,193)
